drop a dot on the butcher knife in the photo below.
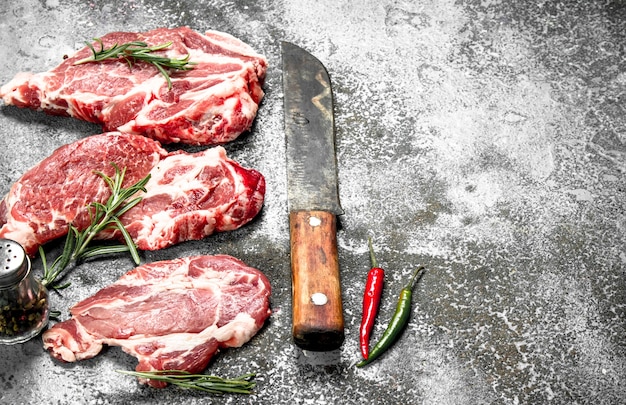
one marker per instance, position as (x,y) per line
(313,200)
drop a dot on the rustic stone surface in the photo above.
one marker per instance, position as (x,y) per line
(483,139)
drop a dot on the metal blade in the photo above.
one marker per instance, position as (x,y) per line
(310,133)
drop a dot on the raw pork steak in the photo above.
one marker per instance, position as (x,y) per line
(171,315)
(210,104)
(189,195)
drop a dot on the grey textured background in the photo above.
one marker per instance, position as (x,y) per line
(483,139)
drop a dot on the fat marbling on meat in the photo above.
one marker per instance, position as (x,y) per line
(170,315)
(212,103)
(189,195)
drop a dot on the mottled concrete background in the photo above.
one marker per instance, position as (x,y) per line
(483,139)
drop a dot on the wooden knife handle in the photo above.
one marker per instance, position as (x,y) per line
(316,290)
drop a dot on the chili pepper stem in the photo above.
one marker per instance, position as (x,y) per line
(372,257)
(414,278)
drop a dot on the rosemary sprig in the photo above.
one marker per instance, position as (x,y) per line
(133,51)
(203,382)
(102,217)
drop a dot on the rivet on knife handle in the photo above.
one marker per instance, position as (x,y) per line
(317,309)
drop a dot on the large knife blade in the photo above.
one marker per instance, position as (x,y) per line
(313,198)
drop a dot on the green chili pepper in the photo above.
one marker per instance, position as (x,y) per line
(398,321)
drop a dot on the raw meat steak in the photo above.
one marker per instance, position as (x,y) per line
(171,315)
(189,195)
(210,104)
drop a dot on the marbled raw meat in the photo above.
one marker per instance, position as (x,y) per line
(189,195)
(170,315)
(212,103)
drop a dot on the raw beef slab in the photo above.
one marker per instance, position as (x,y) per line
(170,315)
(189,195)
(212,103)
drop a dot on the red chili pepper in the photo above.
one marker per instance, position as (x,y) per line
(371,301)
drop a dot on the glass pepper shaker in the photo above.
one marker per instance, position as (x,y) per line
(23,299)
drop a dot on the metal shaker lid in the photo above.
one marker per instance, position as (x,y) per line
(14,264)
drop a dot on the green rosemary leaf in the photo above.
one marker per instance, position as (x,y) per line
(164,73)
(130,204)
(60,263)
(130,244)
(109,181)
(102,250)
